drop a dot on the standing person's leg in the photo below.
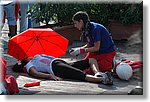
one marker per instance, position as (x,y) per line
(10,15)
(23,19)
(1,17)
(34,22)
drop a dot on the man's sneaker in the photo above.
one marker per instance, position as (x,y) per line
(107,78)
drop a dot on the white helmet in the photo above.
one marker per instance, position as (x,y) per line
(124,71)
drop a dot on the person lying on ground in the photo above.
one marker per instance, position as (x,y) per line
(48,67)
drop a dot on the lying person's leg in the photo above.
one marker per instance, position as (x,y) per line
(88,63)
(81,64)
(64,70)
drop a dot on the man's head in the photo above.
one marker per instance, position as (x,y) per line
(20,66)
(80,19)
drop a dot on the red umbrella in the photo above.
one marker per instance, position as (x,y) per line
(37,41)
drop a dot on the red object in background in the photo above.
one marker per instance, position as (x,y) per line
(10,80)
(37,41)
(12,85)
(134,64)
(32,84)
(2,69)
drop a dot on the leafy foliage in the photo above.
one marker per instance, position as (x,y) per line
(127,13)
(98,12)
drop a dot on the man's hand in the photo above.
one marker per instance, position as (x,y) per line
(55,78)
(76,51)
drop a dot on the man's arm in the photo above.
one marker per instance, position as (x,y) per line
(85,46)
(94,48)
(35,73)
(77,51)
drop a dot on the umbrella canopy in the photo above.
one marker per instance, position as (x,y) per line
(37,41)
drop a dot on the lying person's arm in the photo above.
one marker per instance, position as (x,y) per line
(35,73)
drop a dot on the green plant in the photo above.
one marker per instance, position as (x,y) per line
(127,13)
(43,12)
(99,12)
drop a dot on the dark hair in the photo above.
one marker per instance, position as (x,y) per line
(81,15)
(19,67)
